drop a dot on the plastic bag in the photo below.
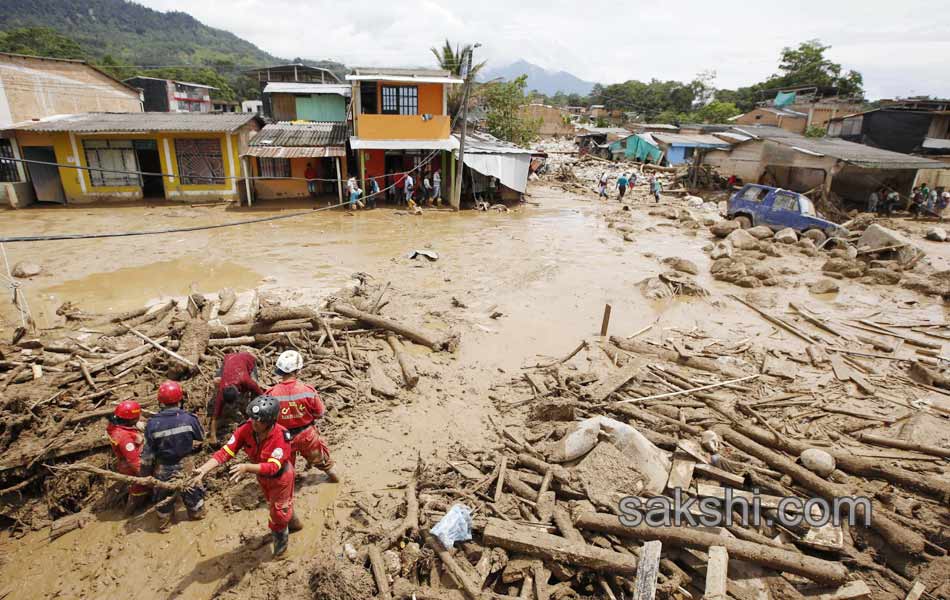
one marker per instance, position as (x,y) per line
(455,526)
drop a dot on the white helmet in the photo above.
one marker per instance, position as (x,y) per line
(289,362)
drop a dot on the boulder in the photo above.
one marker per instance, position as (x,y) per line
(742,240)
(694,201)
(681,264)
(807,246)
(25,269)
(818,461)
(884,276)
(836,265)
(748,282)
(760,232)
(762,272)
(823,286)
(709,221)
(769,249)
(721,250)
(786,236)
(721,264)
(876,237)
(855,270)
(724,228)
(815,235)
(936,234)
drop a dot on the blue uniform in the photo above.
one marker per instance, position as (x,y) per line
(170,436)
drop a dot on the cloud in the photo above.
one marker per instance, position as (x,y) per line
(900,49)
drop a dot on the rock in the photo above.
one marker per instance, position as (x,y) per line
(818,461)
(720,265)
(721,250)
(742,240)
(748,282)
(936,234)
(851,252)
(724,228)
(860,223)
(823,286)
(884,276)
(884,264)
(836,265)
(760,232)
(769,249)
(681,264)
(709,221)
(762,271)
(694,201)
(786,236)
(855,271)
(25,269)
(708,248)
(629,237)
(815,235)
(876,237)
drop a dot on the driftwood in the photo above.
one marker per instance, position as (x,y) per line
(379,572)
(230,331)
(175,486)
(887,442)
(61,527)
(816,569)
(616,380)
(188,363)
(409,373)
(647,570)
(409,525)
(194,342)
(273,314)
(425,338)
(380,383)
(114,361)
(694,362)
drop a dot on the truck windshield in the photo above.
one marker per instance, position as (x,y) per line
(806,206)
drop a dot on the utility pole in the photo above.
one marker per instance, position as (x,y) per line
(457,186)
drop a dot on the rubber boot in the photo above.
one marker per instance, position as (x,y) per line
(295,523)
(281,539)
(165,522)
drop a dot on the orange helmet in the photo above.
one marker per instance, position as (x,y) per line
(128,410)
(169,393)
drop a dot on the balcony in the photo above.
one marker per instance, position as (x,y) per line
(403,127)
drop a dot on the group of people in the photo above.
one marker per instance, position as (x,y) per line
(401,188)
(923,199)
(280,424)
(628,179)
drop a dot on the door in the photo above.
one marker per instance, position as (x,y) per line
(46,182)
(146,151)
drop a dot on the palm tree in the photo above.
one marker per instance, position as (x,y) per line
(455,60)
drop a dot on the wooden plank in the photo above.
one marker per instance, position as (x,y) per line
(681,473)
(717,574)
(545,507)
(917,591)
(827,538)
(853,590)
(616,380)
(765,501)
(530,541)
(842,371)
(648,570)
(499,486)
(537,383)
(718,474)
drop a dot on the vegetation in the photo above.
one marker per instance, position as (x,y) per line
(455,60)
(816,132)
(503,102)
(40,41)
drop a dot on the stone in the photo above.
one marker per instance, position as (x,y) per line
(762,272)
(815,235)
(24,269)
(769,249)
(708,248)
(742,240)
(884,276)
(876,237)
(818,461)
(851,252)
(855,271)
(836,265)
(748,282)
(721,250)
(720,265)
(681,264)
(709,221)
(936,234)
(786,236)
(823,286)
(723,228)
(760,232)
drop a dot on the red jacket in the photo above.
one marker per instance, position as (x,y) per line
(300,405)
(236,370)
(271,452)
(127,444)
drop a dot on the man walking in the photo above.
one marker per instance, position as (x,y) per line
(408,185)
(655,187)
(622,182)
(873,201)
(437,187)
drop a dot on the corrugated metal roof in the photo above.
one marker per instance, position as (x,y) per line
(784,112)
(301,135)
(484,143)
(146,122)
(403,75)
(936,144)
(291,87)
(696,139)
(285,152)
(665,126)
(856,154)
(605,131)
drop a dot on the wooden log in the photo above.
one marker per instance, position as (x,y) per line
(455,571)
(409,373)
(404,589)
(121,324)
(693,362)
(272,314)
(87,375)
(194,342)
(566,526)
(519,487)
(853,590)
(419,336)
(816,569)
(175,486)
(648,568)
(500,484)
(379,382)
(855,465)
(64,525)
(887,442)
(917,591)
(616,380)
(379,572)
(717,574)
(558,472)
(12,376)
(718,474)
(898,536)
(530,541)
(188,363)
(545,506)
(247,340)
(114,361)
(244,329)
(409,525)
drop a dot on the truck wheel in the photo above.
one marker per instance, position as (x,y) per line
(744,222)
(816,235)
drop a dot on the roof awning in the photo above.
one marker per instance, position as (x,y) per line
(444,144)
(295,152)
(404,78)
(510,169)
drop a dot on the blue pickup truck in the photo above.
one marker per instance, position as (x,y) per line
(755,205)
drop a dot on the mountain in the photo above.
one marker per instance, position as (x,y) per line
(545,81)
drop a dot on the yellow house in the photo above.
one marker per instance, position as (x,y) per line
(92,157)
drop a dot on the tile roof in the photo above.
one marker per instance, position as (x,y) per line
(144,122)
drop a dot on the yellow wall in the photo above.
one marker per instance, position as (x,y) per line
(403,127)
(77,183)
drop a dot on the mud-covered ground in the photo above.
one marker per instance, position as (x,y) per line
(519,286)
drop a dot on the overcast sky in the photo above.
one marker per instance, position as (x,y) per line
(901,48)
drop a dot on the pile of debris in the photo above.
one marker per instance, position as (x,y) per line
(602,442)
(57,389)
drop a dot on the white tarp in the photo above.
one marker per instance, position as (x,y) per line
(510,169)
(445,144)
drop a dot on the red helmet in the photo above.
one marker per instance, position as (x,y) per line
(169,392)
(128,410)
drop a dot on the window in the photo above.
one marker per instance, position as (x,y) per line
(8,168)
(273,167)
(199,161)
(786,201)
(368,98)
(400,100)
(117,157)
(753,194)
(852,126)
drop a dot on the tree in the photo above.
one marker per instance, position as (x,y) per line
(504,119)
(716,112)
(40,41)
(455,60)
(807,65)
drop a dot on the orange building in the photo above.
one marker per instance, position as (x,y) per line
(401,123)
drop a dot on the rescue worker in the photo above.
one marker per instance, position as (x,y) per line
(267,445)
(300,406)
(125,433)
(237,376)
(170,437)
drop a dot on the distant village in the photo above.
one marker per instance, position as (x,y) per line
(71,133)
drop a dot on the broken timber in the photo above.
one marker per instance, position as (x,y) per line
(602,390)
(425,338)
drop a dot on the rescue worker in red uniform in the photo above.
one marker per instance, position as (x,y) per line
(300,407)
(236,377)
(125,433)
(267,445)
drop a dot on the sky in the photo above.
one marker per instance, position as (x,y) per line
(901,48)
